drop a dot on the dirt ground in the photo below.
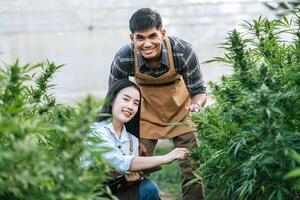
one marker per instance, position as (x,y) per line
(166,196)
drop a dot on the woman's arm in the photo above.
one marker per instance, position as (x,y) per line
(141,163)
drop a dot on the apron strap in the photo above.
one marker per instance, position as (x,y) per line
(130,144)
(169,51)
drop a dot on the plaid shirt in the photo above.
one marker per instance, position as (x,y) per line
(185,61)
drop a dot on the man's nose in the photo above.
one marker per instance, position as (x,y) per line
(147,43)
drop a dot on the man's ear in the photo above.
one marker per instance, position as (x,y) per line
(163,33)
(131,37)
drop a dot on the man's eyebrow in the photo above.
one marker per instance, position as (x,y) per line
(140,36)
(153,34)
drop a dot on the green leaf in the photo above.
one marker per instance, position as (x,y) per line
(279,195)
(293,174)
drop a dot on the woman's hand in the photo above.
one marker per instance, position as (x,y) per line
(177,154)
(133,176)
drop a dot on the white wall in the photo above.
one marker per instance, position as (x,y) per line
(60,30)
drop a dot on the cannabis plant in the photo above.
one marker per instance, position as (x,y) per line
(41,142)
(250,134)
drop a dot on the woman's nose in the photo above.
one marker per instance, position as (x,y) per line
(130,105)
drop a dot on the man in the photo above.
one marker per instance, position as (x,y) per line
(168,73)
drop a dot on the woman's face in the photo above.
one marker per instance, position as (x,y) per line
(126,104)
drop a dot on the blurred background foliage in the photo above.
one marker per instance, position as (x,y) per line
(168,178)
(282,8)
(41,142)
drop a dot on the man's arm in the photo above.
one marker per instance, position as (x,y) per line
(117,71)
(122,65)
(192,76)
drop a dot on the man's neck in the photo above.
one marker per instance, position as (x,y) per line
(153,63)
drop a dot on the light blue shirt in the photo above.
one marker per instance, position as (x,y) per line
(119,155)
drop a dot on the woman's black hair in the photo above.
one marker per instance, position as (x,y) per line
(133,126)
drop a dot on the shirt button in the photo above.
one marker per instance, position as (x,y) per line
(119,146)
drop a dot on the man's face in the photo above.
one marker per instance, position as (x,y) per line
(149,42)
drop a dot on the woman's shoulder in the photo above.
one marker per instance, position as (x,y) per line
(99,128)
(97,125)
(134,138)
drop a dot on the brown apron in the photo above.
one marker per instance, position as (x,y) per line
(165,102)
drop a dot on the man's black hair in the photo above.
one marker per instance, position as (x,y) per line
(143,19)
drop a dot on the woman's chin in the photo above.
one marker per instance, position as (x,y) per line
(126,119)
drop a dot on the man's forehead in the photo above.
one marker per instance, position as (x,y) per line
(148,32)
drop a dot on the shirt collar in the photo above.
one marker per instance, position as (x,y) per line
(163,60)
(124,133)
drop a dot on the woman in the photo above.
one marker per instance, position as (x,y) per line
(120,133)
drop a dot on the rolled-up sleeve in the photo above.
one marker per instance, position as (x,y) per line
(191,72)
(114,156)
(118,161)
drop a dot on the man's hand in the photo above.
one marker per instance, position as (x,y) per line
(195,107)
(198,101)
(142,150)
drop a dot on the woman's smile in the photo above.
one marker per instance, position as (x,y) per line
(127,113)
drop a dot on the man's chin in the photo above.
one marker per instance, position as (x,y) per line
(148,56)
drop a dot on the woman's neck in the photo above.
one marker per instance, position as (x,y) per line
(117,127)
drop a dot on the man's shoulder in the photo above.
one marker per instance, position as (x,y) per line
(179,45)
(126,51)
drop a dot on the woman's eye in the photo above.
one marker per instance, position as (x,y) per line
(125,99)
